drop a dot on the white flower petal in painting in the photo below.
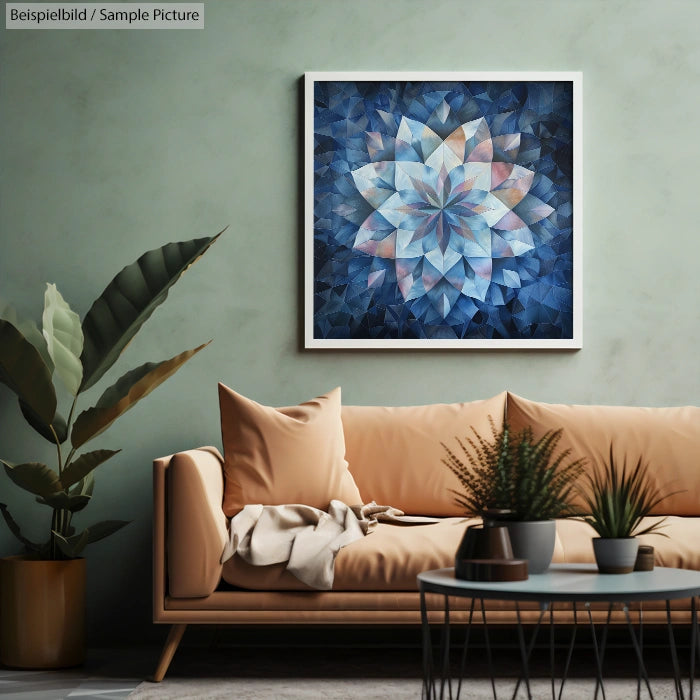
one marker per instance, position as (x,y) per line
(445,208)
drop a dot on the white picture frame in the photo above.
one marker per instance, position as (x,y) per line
(443,210)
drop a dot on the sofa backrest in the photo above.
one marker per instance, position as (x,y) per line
(668,439)
(395,453)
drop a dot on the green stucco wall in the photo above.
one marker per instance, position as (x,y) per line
(114,142)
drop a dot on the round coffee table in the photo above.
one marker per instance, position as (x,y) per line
(561,583)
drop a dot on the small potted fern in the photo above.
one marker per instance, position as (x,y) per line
(524,479)
(617,499)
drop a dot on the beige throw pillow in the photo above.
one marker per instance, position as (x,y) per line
(275,456)
(668,439)
(395,455)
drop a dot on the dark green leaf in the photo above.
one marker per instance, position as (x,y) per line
(618,499)
(515,472)
(124,394)
(74,545)
(14,529)
(29,330)
(83,465)
(104,529)
(85,486)
(129,300)
(33,477)
(25,373)
(71,547)
(58,423)
(65,501)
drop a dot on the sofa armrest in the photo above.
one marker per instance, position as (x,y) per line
(190,528)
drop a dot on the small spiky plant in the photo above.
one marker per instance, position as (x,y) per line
(515,473)
(617,499)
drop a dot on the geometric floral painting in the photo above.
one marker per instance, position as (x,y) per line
(443,212)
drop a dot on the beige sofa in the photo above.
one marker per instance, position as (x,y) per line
(392,456)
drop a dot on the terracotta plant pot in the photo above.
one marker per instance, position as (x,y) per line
(42,613)
(615,555)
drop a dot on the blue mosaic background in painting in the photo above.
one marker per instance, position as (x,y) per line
(443,210)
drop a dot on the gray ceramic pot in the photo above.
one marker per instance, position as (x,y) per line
(533,540)
(615,555)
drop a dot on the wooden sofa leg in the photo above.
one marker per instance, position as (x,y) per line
(169,649)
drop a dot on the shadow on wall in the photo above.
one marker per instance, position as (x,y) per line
(119,590)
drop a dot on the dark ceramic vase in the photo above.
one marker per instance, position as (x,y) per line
(485,554)
(485,542)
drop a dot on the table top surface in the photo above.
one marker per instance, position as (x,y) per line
(571,582)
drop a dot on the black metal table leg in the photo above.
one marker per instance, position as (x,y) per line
(569,653)
(465,647)
(551,649)
(641,646)
(674,654)
(637,650)
(488,649)
(603,646)
(445,677)
(599,667)
(693,643)
(530,647)
(524,653)
(428,692)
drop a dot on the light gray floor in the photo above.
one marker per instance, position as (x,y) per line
(382,672)
(108,674)
(294,668)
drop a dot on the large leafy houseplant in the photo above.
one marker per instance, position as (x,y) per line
(80,353)
(514,473)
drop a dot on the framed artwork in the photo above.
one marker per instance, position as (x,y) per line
(443,210)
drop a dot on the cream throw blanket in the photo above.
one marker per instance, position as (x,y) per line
(306,538)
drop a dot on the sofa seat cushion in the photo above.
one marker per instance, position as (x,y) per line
(667,439)
(395,452)
(390,558)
